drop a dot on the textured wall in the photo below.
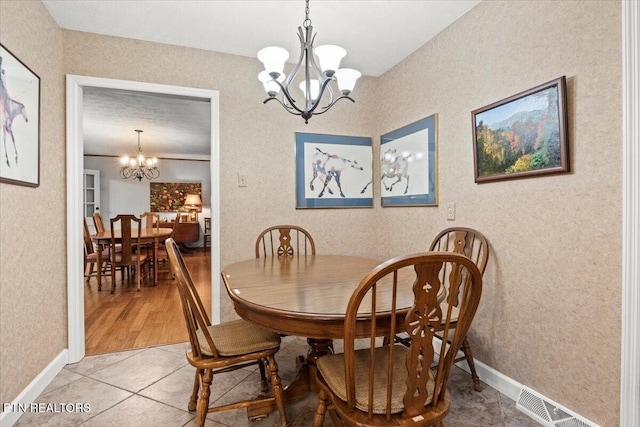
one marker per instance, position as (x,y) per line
(256,140)
(550,312)
(33,323)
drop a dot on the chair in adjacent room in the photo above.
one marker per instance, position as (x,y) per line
(396,385)
(130,229)
(207,232)
(98,223)
(285,240)
(91,256)
(225,347)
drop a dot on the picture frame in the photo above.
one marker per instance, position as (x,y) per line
(170,196)
(523,135)
(333,171)
(20,137)
(409,164)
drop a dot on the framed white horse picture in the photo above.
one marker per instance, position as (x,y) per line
(333,171)
(20,122)
(408,164)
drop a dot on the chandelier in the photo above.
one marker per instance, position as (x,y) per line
(137,167)
(316,79)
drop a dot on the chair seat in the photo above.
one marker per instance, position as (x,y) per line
(238,337)
(93,257)
(332,368)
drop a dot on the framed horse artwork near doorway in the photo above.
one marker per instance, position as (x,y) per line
(333,171)
(20,112)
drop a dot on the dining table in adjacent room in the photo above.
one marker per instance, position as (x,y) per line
(147,236)
(306,296)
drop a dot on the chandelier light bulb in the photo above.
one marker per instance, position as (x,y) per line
(347,78)
(273,58)
(270,86)
(329,56)
(315,88)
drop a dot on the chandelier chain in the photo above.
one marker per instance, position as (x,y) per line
(307,21)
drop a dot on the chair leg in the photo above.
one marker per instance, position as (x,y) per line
(278,392)
(193,400)
(321,409)
(466,349)
(263,376)
(203,400)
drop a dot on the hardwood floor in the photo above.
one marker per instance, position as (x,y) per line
(130,319)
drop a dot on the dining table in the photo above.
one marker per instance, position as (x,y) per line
(147,236)
(306,296)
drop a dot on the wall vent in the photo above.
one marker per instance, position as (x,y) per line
(547,412)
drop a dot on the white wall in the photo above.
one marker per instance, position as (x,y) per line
(120,196)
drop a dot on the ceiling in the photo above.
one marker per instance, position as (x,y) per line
(376,34)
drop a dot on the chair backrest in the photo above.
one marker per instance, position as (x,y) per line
(88,244)
(194,312)
(98,223)
(151,220)
(207,225)
(285,240)
(466,241)
(130,238)
(404,386)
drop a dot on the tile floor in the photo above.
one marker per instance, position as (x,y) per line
(151,386)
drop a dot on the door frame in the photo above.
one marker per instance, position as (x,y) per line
(75,163)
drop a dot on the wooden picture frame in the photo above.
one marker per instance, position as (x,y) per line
(20,133)
(523,135)
(170,196)
(409,164)
(333,171)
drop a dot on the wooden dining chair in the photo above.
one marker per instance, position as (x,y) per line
(98,223)
(151,220)
(90,255)
(228,346)
(395,385)
(284,240)
(472,244)
(131,230)
(207,232)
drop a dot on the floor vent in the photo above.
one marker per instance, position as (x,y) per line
(548,412)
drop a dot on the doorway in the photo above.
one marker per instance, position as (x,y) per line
(75,264)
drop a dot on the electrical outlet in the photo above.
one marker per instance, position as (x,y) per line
(451,211)
(242,180)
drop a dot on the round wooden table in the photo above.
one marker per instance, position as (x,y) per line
(305,296)
(146,236)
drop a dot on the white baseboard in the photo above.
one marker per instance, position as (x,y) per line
(504,384)
(35,388)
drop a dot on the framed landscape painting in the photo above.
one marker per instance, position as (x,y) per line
(523,135)
(333,171)
(20,106)
(408,164)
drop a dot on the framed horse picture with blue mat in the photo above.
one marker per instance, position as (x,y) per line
(20,112)
(333,171)
(408,164)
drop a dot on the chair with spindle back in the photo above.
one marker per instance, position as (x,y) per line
(285,240)
(225,347)
(472,244)
(396,385)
